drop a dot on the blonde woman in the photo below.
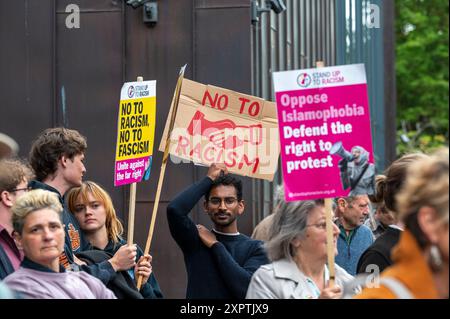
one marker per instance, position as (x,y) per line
(420,268)
(93,208)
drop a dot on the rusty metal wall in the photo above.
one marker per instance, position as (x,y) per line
(52,75)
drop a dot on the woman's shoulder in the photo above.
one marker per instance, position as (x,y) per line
(342,274)
(19,275)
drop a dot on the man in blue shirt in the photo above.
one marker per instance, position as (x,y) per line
(221,262)
(355,237)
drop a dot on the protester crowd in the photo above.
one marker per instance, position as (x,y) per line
(60,236)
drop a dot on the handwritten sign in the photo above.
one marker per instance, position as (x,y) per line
(216,125)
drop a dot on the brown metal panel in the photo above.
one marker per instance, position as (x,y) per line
(223,58)
(89,5)
(26,90)
(158,53)
(89,78)
(222,4)
(168,262)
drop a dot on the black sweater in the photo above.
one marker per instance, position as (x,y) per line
(380,252)
(225,269)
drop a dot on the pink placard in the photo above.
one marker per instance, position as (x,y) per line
(321,128)
(132,170)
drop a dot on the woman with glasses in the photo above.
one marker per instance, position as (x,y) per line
(297,247)
(93,208)
(420,268)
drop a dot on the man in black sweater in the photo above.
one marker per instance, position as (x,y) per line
(221,262)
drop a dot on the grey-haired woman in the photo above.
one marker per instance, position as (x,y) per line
(298,250)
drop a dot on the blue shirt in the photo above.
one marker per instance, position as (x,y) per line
(352,246)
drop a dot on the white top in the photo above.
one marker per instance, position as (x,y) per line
(282,279)
(226,234)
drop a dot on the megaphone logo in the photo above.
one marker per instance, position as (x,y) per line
(339,149)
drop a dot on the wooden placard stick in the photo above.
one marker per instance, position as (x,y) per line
(329,223)
(132,206)
(330,241)
(176,99)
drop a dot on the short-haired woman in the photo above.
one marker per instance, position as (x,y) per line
(39,231)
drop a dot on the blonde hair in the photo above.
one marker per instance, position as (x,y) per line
(113,225)
(426,185)
(33,201)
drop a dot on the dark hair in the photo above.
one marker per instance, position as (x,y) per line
(390,183)
(50,145)
(227,180)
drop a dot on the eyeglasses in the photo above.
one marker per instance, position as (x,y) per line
(25,189)
(230,202)
(323,225)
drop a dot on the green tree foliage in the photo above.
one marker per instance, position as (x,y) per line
(422,74)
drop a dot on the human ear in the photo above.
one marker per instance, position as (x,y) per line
(341,204)
(17,239)
(296,242)
(63,160)
(241,206)
(428,223)
(5,198)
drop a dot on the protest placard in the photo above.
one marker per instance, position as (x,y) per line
(322,113)
(171,122)
(135,132)
(216,125)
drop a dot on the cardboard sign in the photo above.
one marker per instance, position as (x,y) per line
(135,132)
(324,122)
(215,125)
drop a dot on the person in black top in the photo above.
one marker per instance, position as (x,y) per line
(221,262)
(387,188)
(94,210)
(379,253)
(56,157)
